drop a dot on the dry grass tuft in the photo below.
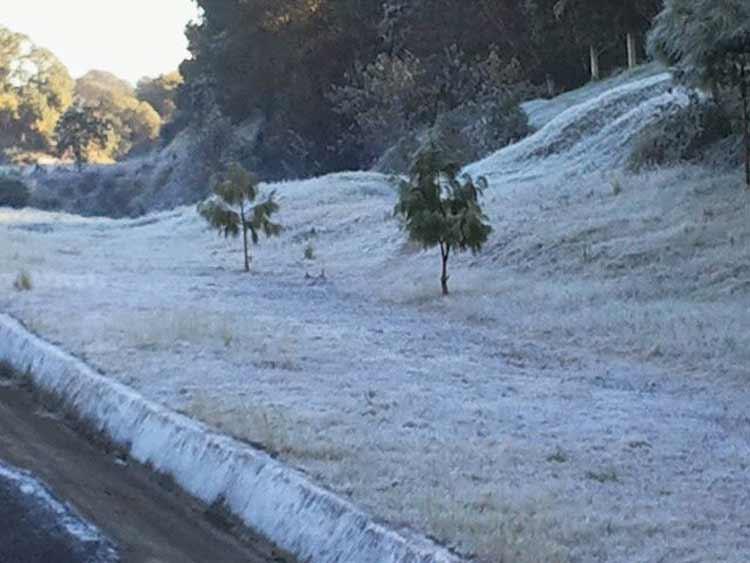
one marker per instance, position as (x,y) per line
(23,281)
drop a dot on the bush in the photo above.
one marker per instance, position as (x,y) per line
(13,192)
(470,104)
(467,133)
(309,251)
(451,135)
(681,135)
(385,100)
(398,158)
(499,122)
(116,201)
(23,282)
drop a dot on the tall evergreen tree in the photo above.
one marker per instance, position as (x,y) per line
(278,59)
(601,25)
(707,43)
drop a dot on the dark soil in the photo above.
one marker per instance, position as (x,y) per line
(148,522)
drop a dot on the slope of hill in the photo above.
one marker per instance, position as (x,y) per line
(591,130)
(581,396)
(174,175)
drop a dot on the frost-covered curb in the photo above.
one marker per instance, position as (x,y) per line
(276,501)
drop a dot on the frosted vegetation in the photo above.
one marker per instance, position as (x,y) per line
(581,395)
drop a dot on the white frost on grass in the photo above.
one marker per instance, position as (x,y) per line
(542,111)
(580,396)
(591,136)
(277,502)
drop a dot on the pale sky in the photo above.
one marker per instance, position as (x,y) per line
(131,38)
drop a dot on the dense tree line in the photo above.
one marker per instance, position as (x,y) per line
(290,63)
(134,124)
(36,91)
(278,59)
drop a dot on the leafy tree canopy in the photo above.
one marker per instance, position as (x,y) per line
(78,131)
(693,36)
(134,123)
(35,90)
(278,61)
(161,93)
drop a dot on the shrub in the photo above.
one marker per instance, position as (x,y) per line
(116,201)
(441,209)
(498,123)
(680,135)
(616,183)
(13,192)
(468,133)
(48,203)
(309,251)
(398,158)
(385,99)
(23,282)
(473,103)
(451,135)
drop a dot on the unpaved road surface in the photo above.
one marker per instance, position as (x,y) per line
(36,527)
(149,521)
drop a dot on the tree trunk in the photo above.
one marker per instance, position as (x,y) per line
(550,86)
(632,51)
(244,236)
(745,88)
(445,251)
(594,54)
(716,94)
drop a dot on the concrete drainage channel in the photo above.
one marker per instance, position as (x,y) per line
(270,498)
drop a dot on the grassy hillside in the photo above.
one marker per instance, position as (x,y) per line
(581,396)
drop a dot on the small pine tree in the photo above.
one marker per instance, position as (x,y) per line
(230,210)
(441,209)
(78,130)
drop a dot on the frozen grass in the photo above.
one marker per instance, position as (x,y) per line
(509,532)
(541,111)
(268,428)
(150,330)
(581,396)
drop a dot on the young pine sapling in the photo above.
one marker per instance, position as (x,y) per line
(231,211)
(442,209)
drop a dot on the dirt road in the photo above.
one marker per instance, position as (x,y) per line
(148,519)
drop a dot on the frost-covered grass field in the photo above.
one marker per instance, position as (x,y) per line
(581,396)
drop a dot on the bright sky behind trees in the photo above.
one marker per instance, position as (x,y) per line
(131,39)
